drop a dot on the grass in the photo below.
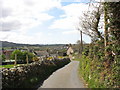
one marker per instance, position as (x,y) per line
(76,57)
(80,74)
(8,66)
(0,66)
(81,78)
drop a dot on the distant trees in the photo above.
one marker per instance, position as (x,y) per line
(2,57)
(79,45)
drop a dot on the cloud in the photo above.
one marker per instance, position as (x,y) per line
(7,26)
(19,38)
(5,12)
(70,32)
(107,0)
(65,23)
(25,12)
(36,38)
(23,21)
(74,0)
(70,19)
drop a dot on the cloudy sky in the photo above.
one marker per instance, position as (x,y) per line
(41,21)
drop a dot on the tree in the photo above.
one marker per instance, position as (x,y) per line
(28,55)
(110,59)
(19,55)
(114,20)
(89,23)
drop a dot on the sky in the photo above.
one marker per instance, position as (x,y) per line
(41,21)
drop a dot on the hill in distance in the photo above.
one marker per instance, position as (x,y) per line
(11,44)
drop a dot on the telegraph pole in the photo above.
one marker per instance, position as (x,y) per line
(106,28)
(81,41)
(27,59)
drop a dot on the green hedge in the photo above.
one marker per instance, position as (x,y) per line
(96,75)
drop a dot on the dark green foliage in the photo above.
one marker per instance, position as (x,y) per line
(98,70)
(2,57)
(30,55)
(86,51)
(100,65)
(114,17)
(18,53)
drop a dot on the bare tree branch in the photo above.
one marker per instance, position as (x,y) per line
(90,22)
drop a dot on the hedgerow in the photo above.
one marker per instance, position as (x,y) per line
(100,63)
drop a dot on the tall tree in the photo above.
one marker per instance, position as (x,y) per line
(90,22)
(18,53)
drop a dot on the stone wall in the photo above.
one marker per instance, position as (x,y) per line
(32,75)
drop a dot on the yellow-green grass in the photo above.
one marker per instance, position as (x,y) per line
(8,66)
(76,57)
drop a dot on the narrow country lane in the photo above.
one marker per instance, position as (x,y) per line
(66,77)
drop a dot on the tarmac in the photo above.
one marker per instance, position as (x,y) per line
(66,77)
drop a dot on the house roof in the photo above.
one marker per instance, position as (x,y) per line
(41,53)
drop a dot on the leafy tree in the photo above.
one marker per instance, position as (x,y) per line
(30,56)
(2,57)
(19,55)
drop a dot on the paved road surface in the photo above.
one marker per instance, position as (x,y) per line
(66,77)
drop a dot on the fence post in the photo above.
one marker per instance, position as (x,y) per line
(15,59)
(27,59)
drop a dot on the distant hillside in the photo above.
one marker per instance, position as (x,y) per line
(11,44)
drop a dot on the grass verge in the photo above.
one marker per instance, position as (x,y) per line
(90,73)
